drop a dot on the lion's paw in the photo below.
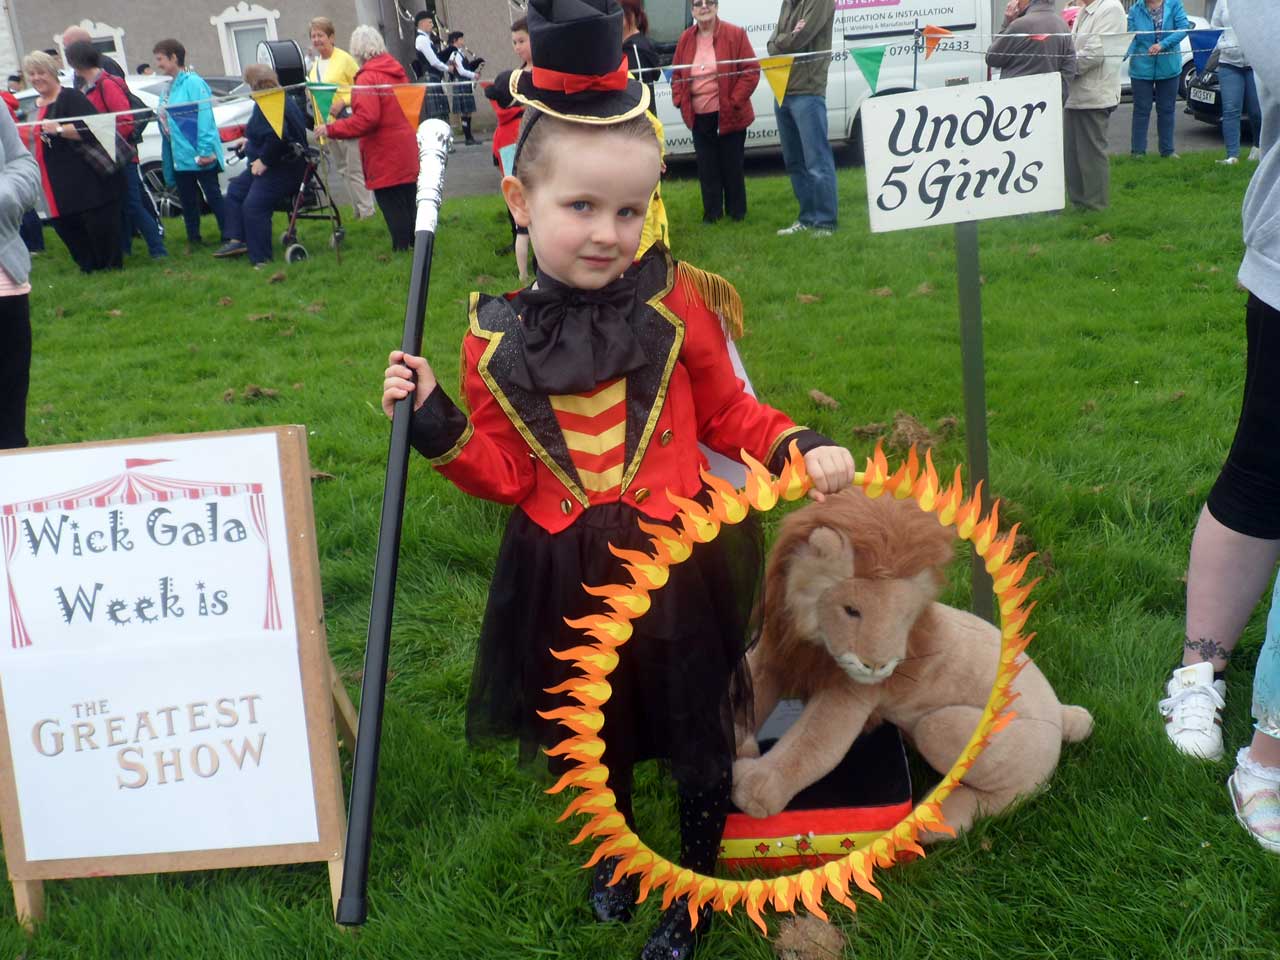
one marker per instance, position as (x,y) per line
(758,790)
(747,745)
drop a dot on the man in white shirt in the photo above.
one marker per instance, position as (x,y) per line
(429,66)
(1094,92)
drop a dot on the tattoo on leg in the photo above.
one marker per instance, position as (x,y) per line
(1207,648)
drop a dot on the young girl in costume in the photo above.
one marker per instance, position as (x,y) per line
(587,395)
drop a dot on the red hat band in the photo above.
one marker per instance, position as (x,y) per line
(572,83)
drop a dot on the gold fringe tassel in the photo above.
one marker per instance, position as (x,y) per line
(717,293)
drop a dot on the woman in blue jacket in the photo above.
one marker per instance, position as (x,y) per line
(192,151)
(275,168)
(1155,60)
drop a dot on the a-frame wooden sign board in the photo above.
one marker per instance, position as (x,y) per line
(167,701)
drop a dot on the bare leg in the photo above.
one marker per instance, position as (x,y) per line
(1227,575)
(1265,750)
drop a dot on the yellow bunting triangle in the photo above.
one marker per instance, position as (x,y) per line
(103,128)
(777,70)
(410,99)
(271,103)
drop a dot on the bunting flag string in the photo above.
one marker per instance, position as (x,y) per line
(271,103)
(185,118)
(103,128)
(932,36)
(1203,43)
(322,95)
(869,60)
(410,97)
(777,70)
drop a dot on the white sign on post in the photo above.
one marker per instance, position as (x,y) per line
(969,152)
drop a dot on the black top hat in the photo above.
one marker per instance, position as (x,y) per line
(579,72)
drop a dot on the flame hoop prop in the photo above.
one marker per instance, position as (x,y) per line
(694,524)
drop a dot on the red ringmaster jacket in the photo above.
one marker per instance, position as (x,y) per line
(737,80)
(388,147)
(511,448)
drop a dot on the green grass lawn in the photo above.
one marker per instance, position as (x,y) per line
(1115,358)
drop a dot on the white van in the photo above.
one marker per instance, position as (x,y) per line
(858,23)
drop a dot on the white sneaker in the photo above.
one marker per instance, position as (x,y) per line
(1229,161)
(795,228)
(1255,154)
(1192,711)
(821,232)
(1255,798)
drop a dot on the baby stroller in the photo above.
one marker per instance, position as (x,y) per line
(312,202)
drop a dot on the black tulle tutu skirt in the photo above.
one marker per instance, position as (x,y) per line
(679,679)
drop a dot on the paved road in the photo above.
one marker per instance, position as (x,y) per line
(471,169)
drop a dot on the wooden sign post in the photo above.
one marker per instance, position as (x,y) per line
(959,155)
(167,701)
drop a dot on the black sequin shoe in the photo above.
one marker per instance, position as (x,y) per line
(613,903)
(672,939)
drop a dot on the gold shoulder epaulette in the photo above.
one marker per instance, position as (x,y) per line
(717,293)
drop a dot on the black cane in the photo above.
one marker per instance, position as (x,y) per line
(434,138)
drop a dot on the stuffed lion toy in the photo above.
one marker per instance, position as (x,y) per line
(852,628)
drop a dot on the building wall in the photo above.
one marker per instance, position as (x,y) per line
(146,21)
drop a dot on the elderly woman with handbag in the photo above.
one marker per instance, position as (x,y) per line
(83,187)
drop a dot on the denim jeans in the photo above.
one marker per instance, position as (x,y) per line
(136,212)
(1165,95)
(1238,92)
(802,126)
(250,203)
(191,183)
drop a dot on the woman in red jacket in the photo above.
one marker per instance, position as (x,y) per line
(388,147)
(714,97)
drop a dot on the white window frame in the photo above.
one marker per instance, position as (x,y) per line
(241,13)
(99,32)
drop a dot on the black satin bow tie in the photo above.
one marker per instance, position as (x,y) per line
(575,339)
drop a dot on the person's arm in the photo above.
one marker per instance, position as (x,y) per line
(480,454)
(730,419)
(459,68)
(746,73)
(1182,24)
(364,117)
(680,74)
(1000,54)
(115,100)
(20,184)
(811,18)
(423,45)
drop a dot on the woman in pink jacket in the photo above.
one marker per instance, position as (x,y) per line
(712,86)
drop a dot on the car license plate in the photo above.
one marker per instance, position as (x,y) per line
(1202,96)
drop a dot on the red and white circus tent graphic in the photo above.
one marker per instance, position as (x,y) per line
(130,488)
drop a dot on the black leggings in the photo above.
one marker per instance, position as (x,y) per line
(399,206)
(15,369)
(703,810)
(1246,496)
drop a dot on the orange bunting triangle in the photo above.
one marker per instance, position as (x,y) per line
(410,98)
(931,37)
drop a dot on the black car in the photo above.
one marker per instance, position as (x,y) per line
(1204,100)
